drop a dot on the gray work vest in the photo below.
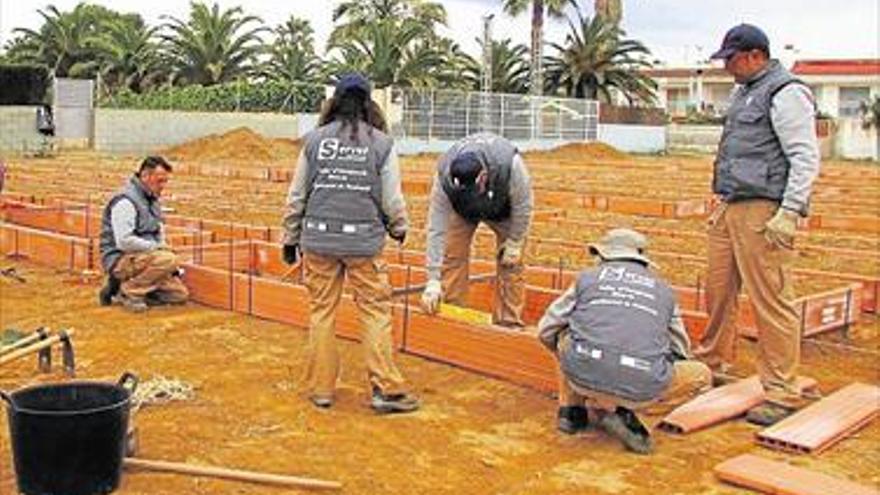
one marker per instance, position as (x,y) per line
(494,204)
(619,341)
(751,163)
(343,214)
(148,223)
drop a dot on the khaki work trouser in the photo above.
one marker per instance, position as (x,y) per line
(689,379)
(739,255)
(142,273)
(509,299)
(372,295)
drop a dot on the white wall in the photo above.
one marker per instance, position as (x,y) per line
(634,138)
(144,131)
(18,129)
(854,142)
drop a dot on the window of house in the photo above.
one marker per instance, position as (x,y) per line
(850,99)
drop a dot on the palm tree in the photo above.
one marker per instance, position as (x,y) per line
(596,60)
(127,54)
(554,8)
(213,46)
(389,51)
(356,14)
(610,10)
(510,68)
(60,41)
(292,55)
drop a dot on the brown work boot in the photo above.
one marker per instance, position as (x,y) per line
(768,414)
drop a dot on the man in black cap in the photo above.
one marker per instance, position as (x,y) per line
(767,161)
(482,178)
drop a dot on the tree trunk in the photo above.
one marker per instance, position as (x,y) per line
(536,79)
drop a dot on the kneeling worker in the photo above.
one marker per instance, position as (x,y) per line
(621,344)
(482,178)
(140,267)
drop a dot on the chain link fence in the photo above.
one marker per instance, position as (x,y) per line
(450,115)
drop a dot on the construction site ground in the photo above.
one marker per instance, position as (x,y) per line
(473,435)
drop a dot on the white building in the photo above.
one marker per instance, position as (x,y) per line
(839,85)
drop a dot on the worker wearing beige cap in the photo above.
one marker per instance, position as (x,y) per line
(621,344)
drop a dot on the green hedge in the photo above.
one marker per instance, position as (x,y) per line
(270,96)
(24,84)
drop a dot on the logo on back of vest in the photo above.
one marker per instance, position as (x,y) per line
(332,149)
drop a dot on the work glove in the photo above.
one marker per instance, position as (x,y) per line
(431,296)
(780,229)
(290,253)
(511,253)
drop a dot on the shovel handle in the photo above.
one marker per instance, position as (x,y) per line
(230,474)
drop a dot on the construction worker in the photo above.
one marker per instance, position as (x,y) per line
(621,344)
(767,161)
(481,178)
(344,197)
(141,268)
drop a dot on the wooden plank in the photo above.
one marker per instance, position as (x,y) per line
(780,478)
(823,424)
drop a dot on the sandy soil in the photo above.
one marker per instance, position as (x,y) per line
(474,435)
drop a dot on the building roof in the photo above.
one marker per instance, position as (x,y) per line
(837,67)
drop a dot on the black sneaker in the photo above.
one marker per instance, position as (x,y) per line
(110,289)
(624,425)
(572,419)
(393,403)
(321,402)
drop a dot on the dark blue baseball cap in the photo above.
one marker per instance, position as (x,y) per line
(742,38)
(466,167)
(352,82)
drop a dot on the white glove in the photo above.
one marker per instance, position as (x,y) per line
(431,296)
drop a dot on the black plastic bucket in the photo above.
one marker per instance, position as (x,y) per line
(69,438)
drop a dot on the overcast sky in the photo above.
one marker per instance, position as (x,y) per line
(676,31)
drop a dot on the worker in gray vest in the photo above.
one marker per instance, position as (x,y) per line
(482,178)
(345,196)
(767,161)
(621,344)
(141,268)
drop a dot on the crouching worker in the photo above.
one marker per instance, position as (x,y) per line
(621,345)
(141,269)
(344,197)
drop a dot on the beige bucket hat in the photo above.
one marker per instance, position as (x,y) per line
(621,244)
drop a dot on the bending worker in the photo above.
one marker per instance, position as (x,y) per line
(141,269)
(482,178)
(344,196)
(621,344)
(767,161)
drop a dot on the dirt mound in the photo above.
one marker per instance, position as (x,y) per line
(239,145)
(595,150)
